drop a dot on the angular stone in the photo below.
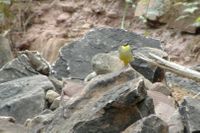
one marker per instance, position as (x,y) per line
(150,124)
(24,98)
(103,63)
(8,119)
(75,58)
(5,51)
(161,102)
(109,103)
(190,113)
(72,88)
(26,64)
(151,72)
(56,102)
(51,95)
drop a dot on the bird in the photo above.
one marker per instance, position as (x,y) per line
(125,53)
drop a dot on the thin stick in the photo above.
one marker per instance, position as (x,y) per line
(172,67)
(124,16)
(195,96)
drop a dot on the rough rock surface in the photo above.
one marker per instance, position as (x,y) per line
(11,127)
(190,113)
(103,63)
(162,88)
(150,124)
(151,72)
(161,102)
(188,84)
(156,9)
(109,103)
(24,98)
(44,119)
(75,58)
(182,16)
(72,88)
(175,123)
(27,64)
(5,51)
(57,102)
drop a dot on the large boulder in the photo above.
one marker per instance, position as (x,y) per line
(24,98)
(5,51)
(26,64)
(75,58)
(190,114)
(109,103)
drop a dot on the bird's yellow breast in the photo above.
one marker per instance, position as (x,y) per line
(125,54)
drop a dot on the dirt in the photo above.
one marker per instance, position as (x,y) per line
(59,22)
(178,93)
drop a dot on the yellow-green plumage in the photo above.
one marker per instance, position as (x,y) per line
(125,54)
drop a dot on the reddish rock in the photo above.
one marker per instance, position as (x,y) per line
(164,105)
(160,87)
(72,88)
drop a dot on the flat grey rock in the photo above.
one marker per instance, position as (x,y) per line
(17,68)
(75,58)
(24,98)
(26,64)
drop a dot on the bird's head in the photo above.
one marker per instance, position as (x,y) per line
(126,47)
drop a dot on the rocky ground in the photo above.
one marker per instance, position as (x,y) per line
(86,88)
(57,23)
(76,95)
